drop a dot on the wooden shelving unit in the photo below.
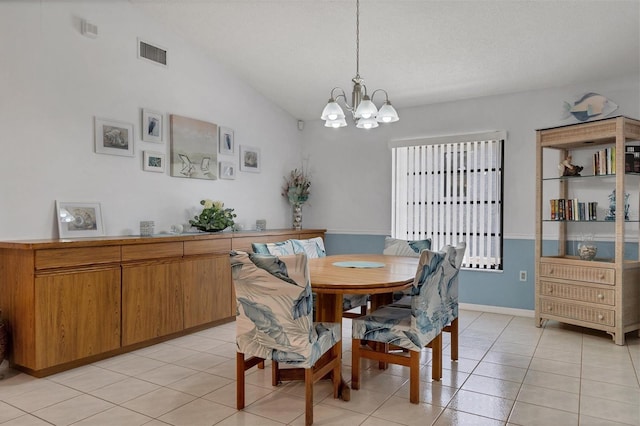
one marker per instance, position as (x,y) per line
(603,293)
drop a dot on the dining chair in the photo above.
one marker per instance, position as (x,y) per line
(274,322)
(452,292)
(314,248)
(410,329)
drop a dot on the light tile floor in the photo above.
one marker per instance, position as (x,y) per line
(510,372)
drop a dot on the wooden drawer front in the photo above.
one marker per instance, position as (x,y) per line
(151,251)
(306,236)
(583,313)
(578,292)
(65,257)
(220,246)
(244,243)
(578,273)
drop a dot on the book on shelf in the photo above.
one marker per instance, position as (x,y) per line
(572,209)
(604,161)
(632,159)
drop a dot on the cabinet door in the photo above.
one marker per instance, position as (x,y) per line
(152,304)
(207,290)
(77,314)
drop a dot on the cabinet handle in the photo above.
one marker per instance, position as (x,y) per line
(602,276)
(600,317)
(549,308)
(600,296)
(550,289)
(550,270)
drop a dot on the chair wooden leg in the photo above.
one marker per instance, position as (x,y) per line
(355,364)
(261,365)
(454,339)
(436,360)
(275,373)
(414,377)
(239,381)
(336,376)
(308,394)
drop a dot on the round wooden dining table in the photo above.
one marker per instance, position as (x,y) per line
(374,274)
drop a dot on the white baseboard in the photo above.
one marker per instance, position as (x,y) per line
(497,310)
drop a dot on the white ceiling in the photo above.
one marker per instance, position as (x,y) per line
(421,51)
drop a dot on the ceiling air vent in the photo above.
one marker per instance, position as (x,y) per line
(155,54)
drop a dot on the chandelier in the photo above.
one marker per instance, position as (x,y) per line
(365,113)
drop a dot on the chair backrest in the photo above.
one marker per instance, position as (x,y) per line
(312,247)
(451,300)
(280,248)
(274,306)
(429,301)
(396,247)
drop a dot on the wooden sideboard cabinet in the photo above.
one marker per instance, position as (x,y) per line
(72,302)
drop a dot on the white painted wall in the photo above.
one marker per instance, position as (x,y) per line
(53,81)
(359,161)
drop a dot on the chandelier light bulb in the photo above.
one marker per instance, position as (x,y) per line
(387,113)
(367,123)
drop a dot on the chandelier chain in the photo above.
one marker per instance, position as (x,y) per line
(358,38)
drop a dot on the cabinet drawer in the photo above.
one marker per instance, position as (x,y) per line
(152,251)
(578,273)
(80,256)
(207,246)
(577,312)
(578,292)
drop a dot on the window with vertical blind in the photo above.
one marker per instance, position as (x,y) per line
(449,189)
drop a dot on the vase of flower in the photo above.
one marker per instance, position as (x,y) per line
(297,216)
(296,190)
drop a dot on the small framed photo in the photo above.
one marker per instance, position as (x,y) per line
(113,137)
(153,162)
(226,141)
(249,159)
(152,126)
(227,170)
(79,219)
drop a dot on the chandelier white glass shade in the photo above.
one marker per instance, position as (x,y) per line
(364,111)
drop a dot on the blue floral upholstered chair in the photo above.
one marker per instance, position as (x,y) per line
(410,329)
(399,247)
(274,322)
(314,248)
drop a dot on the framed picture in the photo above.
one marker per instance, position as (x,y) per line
(113,137)
(227,170)
(226,141)
(249,159)
(153,161)
(152,126)
(79,219)
(194,148)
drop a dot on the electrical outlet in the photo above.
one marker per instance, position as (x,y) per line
(523,275)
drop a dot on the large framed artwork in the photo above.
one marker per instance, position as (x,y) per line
(79,219)
(250,159)
(194,146)
(113,137)
(151,126)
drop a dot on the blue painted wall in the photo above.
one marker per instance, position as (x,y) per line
(502,288)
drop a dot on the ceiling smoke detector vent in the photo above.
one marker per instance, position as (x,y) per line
(155,54)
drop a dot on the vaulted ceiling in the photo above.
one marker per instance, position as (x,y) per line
(295,51)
